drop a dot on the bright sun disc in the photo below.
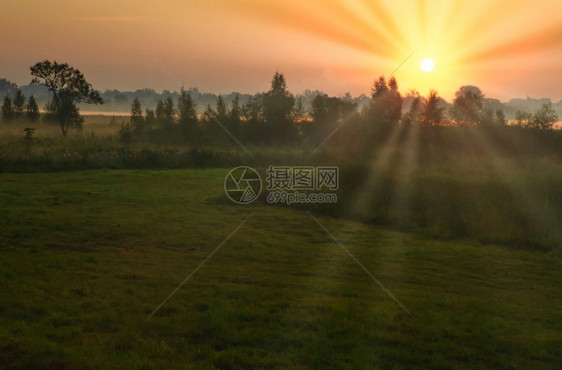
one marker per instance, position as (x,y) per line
(426,65)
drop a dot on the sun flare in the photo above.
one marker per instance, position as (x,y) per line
(426,65)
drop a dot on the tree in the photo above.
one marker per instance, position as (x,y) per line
(222,111)
(18,105)
(490,118)
(207,119)
(432,112)
(467,106)
(236,111)
(254,128)
(149,119)
(7,87)
(7,109)
(326,110)
(224,117)
(278,104)
(253,109)
(545,117)
(169,111)
(414,112)
(50,114)
(69,88)
(136,119)
(326,113)
(386,107)
(523,119)
(187,111)
(160,112)
(500,117)
(299,114)
(32,110)
(234,116)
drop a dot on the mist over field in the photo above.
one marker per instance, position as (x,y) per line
(119,102)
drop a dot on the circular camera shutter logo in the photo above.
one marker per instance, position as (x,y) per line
(242,185)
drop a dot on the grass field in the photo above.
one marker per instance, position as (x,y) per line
(87,256)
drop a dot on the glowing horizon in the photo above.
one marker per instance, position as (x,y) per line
(333,46)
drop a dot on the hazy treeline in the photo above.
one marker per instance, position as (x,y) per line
(120,101)
(279,117)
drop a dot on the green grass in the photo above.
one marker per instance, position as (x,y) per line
(86,256)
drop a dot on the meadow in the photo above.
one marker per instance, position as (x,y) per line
(96,232)
(83,266)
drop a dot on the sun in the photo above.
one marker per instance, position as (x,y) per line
(426,65)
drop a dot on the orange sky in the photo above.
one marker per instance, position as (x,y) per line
(508,48)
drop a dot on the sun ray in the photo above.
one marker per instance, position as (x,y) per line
(422,17)
(380,14)
(378,165)
(337,24)
(522,190)
(547,38)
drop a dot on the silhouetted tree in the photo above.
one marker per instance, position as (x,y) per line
(489,118)
(7,87)
(32,110)
(467,106)
(432,112)
(254,128)
(207,122)
(224,117)
(187,112)
(160,112)
(136,118)
(414,112)
(18,105)
(50,112)
(169,111)
(69,88)
(299,113)
(126,133)
(235,115)
(236,110)
(500,118)
(326,113)
(149,119)
(278,104)
(253,109)
(386,105)
(544,118)
(7,109)
(222,111)
(523,119)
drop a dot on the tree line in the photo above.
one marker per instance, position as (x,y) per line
(17,109)
(274,116)
(277,116)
